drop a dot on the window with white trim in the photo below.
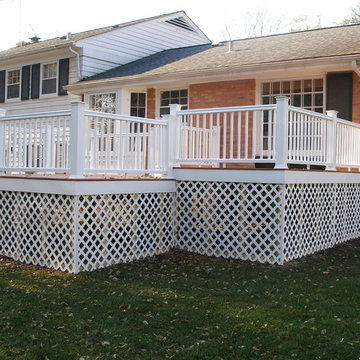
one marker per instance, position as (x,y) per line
(307,94)
(103,102)
(173,97)
(49,78)
(13,84)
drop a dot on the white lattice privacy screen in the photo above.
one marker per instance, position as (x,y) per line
(265,222)
(319,216)
(83,233)
(269,223)
(38,229)
(232,220)
(122,228)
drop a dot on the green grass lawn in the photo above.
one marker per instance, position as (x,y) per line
(185,306)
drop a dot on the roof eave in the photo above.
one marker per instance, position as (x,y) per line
(42,50)
(79,87)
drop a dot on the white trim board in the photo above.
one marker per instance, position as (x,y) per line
(86,187)
(268,176)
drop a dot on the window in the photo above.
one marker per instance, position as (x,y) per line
(49,75)
(138,104)
(13,84)
(308,94)
(103,102)
(103,128)
(173,97)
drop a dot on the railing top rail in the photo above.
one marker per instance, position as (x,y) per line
(227,109)
(46,114)
(125,117)
(348,123)
(310,113)
(322,116)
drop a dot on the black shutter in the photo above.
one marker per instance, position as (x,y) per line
(2,86)
(35,81)
(25,82)
(339,94)
(63,76)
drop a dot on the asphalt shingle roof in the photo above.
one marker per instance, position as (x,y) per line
(63,41)
(151,62)
(310,44)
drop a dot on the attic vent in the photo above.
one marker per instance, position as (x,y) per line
(181,23)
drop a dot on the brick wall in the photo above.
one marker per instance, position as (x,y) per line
(222,93)
(215,94)
(356,99)
(151,103)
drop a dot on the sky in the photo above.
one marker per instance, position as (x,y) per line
(219,20)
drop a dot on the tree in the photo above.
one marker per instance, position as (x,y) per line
(253,24)
(260,23)
(302,23)
(354,16)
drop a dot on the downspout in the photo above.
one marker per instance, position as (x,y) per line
(355,67)
(78,61)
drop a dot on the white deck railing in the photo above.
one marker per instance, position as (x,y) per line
(309,137)
(318,139)
(124,144)
(80,141)
(35,142)
(235,134)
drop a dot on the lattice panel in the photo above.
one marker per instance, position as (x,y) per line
(347,220)
(231,220)
(38,229)
(318,216)
(122,228)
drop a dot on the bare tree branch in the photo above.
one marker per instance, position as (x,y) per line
(302,22)
(354,16)
(260,23)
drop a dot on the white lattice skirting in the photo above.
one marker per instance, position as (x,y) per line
(319,216)
(265,222)
(269,223)
(84,233)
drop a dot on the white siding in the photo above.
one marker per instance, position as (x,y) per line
(47,103)
(121,46)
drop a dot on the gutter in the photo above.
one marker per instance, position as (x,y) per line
(77,53)
(34,52)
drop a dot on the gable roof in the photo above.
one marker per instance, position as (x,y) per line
(273,49)
(64,41)
(151,62)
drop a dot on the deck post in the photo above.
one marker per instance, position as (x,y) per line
(77,140)
(281,132)
(2,141)
(332,141)
(172,138)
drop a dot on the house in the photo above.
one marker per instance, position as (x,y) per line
(33,75)
(318,69)
(124,142)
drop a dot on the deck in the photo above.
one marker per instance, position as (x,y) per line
(82,190)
